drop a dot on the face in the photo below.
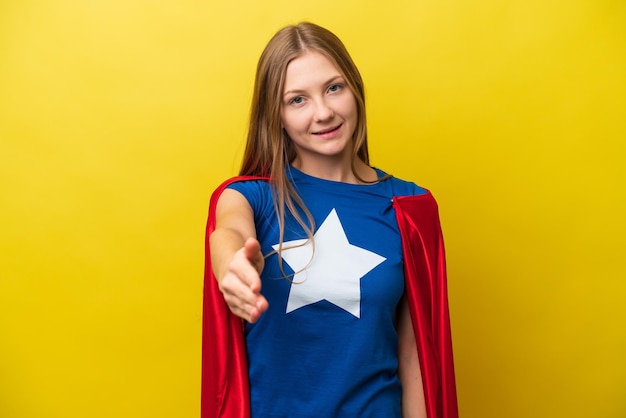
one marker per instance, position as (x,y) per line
(319,111)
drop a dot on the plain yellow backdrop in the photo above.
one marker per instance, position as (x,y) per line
(119,117)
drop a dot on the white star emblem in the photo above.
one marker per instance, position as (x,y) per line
(334,272)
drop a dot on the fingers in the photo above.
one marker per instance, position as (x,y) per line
(260,307)
(241,285)
(244,304)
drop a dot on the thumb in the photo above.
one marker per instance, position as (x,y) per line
(251,248)
(252,251)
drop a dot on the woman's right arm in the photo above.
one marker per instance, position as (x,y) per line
(236,256)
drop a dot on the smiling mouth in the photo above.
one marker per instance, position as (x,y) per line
(325,131)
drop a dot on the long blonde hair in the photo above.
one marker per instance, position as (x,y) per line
(268,149)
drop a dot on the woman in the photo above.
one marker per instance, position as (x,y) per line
(343,297)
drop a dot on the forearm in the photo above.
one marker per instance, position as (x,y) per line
(409,370)
(413,405)
(224,243)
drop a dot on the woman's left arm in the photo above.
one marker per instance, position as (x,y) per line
(409,371)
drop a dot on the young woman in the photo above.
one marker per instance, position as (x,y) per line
(325,292)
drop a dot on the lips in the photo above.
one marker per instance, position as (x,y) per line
(325,131)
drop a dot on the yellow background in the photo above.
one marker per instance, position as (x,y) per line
(118,117)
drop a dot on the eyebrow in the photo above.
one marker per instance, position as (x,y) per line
(332,79)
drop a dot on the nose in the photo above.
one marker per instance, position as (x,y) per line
(323,112)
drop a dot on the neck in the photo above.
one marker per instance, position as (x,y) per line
(340,172)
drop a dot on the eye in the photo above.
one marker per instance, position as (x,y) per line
(335,88)
(296,100)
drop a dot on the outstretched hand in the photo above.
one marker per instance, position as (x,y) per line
(241,285)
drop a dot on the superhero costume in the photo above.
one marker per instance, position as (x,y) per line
(225,374)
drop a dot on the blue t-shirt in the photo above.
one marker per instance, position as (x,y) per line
(327,345)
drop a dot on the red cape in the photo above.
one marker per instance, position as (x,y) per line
(225,391)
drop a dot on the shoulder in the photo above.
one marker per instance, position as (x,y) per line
(255,190)
(402,187)
(239,180)
(241,183)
